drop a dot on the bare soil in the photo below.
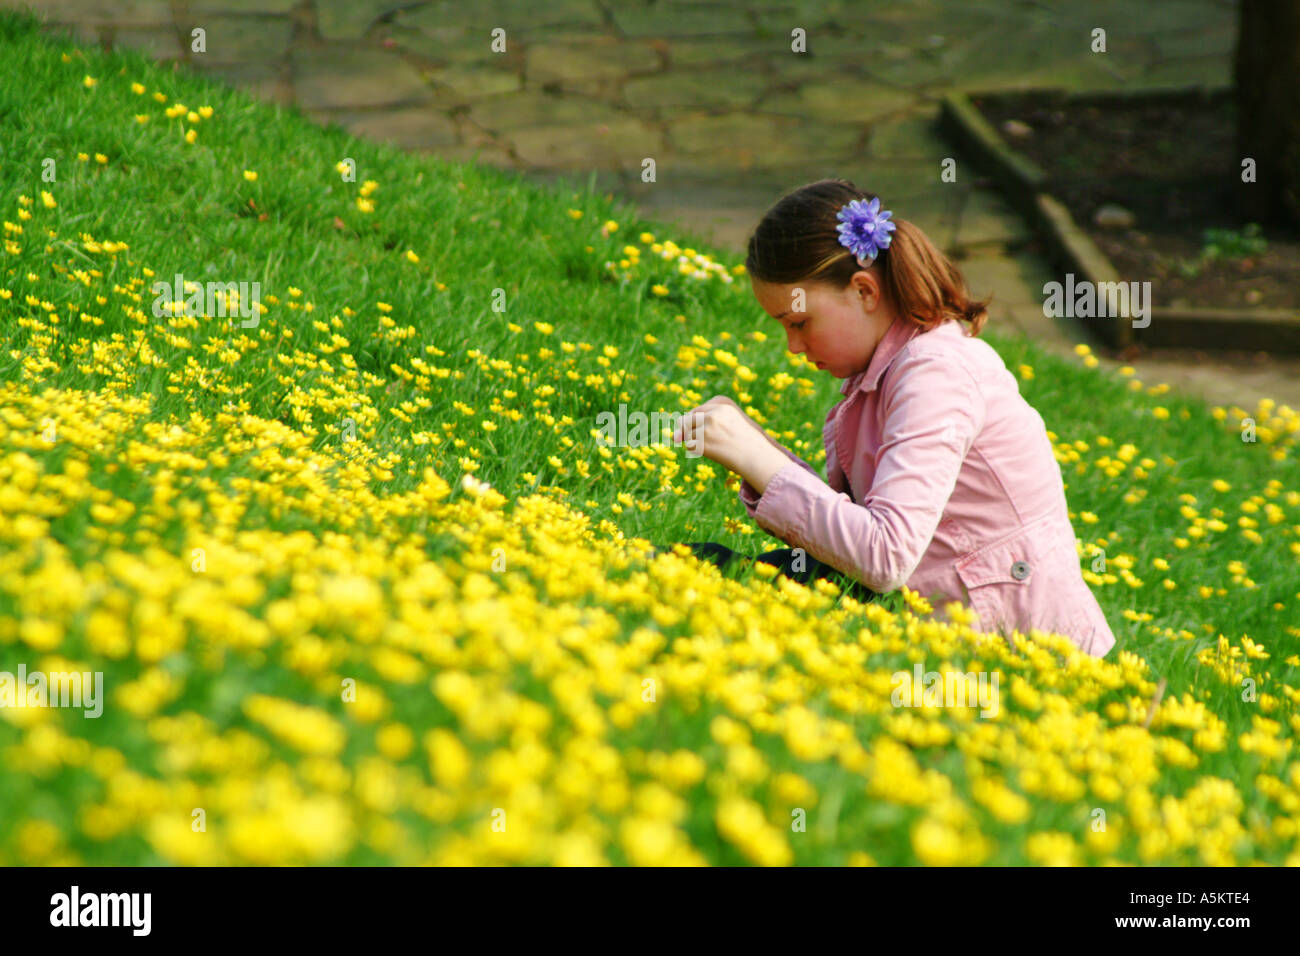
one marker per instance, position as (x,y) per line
(1175,167)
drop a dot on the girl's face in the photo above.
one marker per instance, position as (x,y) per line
(838,329)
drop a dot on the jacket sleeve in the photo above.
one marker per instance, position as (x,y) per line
(749,495)
(932,410)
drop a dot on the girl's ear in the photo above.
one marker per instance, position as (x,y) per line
(867,285)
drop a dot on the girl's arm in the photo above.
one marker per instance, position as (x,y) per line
(933,409)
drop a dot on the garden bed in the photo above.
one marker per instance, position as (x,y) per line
(1139,188)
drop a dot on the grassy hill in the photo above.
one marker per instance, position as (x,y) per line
(364,587)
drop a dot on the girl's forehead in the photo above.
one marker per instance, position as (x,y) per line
(783,292)
(793,299)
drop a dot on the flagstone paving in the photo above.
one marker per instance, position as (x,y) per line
(718,96)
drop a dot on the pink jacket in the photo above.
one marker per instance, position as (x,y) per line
(952,489)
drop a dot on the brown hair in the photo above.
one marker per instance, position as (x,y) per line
(797,240)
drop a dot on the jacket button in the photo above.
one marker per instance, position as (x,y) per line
(1020,570)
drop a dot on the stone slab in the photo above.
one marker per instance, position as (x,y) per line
(208,8)
(670,19)
(695,88)
(840,102)
(912,135)
(160,43)
(96,12)
(720,135)
(519,20)
(265,81)
(231,40)
(576,64)
(474,81)
(440,47)
(987,219)
(485,155)
(532,109)
(417,128)
(620,144)
(349,19)
(712,53)
(340,77)
(1016,280)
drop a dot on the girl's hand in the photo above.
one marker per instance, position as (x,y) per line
(719,430)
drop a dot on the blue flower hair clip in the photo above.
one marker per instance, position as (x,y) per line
(864,229)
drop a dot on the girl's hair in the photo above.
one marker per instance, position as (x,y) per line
(798,241)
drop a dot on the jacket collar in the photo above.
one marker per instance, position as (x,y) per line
(896,336)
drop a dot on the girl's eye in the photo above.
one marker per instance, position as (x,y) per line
(799,326)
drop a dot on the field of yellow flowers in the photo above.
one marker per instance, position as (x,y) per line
(364,587)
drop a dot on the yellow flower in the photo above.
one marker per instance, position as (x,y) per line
(365,205)
(137,88)
(89,81)
(250,175)
(916,602)
(793,790)
(1003,802)
(449,760)
(191,136)
(936,843)
(37,839)
(741,822)
(411,256)
(47,200)
(659,289)
(394,741)
(1051,849)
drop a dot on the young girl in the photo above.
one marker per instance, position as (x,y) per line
(941,476)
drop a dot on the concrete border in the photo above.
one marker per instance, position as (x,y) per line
(1072,250)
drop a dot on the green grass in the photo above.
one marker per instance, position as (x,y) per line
(188,209)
